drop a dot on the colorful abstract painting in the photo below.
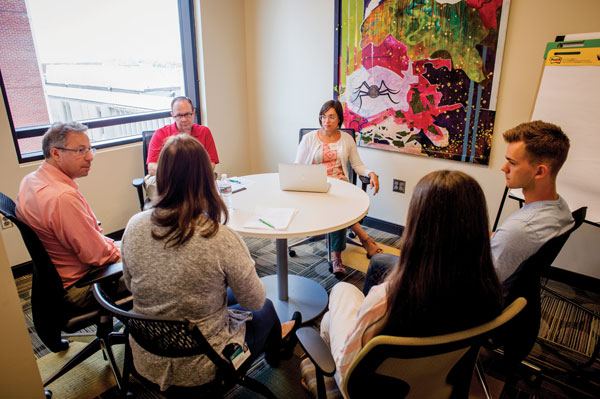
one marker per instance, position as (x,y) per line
(421,76)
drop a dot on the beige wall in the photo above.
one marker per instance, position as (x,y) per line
(289,72)
(290,75)
(223,66)
(19,375)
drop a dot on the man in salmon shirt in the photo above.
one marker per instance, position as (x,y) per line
(50,203)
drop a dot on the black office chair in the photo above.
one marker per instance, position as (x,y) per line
(352,178)
(518,337)
(177,337)
(50,312)
(138,182)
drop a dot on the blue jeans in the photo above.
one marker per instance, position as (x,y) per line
(263,332)
(379,267)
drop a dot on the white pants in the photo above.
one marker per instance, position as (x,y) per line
(345,301)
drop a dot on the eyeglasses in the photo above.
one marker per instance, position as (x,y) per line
(186,115)
(330,117)
(80,152)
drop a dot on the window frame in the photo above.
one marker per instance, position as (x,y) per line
(191,82)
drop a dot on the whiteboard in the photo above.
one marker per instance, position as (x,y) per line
(569,96)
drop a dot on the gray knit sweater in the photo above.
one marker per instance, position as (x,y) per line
(190,281)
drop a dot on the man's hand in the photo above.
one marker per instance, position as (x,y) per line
(152,166)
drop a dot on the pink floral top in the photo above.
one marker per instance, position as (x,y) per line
(328,156)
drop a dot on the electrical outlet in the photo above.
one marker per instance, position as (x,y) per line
(6,223)
(399,186)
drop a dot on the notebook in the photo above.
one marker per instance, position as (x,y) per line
(300,177)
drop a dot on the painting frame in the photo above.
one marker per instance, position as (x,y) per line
(434,99)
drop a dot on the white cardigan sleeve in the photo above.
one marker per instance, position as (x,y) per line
(352,155)
(307,148)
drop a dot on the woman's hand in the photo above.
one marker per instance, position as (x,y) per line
(374,182)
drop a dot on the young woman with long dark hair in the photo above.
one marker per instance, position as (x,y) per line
(445,280)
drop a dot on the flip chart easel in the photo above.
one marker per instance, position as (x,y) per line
(569,96)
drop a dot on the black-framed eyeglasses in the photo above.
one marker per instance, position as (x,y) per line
(80,152)
(186,115)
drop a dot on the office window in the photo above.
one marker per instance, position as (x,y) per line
(114,65)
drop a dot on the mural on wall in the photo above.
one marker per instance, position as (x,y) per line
(421,76)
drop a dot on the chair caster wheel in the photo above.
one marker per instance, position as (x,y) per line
(292,253)
(352,234)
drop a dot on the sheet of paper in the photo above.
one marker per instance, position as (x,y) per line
(239,183)
(270,218)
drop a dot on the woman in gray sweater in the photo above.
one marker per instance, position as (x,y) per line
(179,260)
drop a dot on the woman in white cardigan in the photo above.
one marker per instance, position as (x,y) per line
(333,148)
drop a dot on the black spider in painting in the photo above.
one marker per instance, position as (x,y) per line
(373,91)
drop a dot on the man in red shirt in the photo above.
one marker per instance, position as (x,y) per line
(183,112)
(50,203)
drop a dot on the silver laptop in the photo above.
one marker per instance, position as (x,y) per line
(300,177)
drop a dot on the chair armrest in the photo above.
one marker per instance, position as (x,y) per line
(365,180)
(138,182)
(316,349)
(112,271)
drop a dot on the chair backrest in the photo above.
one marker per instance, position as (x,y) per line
(518,337)
(351,132)
(164,336)
(421,367)
(146,137)
(48,306)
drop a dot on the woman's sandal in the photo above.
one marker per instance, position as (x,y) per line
(371,247)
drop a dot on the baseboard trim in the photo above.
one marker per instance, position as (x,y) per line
(22,270)
(27,268)
(383,225)
(574,279)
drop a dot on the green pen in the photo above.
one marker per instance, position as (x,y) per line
(265,222)
(235,181)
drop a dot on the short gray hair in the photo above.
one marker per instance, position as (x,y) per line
(181,98)
(56,136)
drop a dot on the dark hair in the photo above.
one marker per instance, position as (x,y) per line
(544,143)
(445,280)
(337,107)
(181,98)
(187,194)
(56,135)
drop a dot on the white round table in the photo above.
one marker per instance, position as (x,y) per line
(317,213)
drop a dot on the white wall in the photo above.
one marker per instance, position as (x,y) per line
(290,74)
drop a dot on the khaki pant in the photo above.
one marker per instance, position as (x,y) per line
(150,185)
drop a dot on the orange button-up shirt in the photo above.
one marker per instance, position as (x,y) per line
(49,202)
